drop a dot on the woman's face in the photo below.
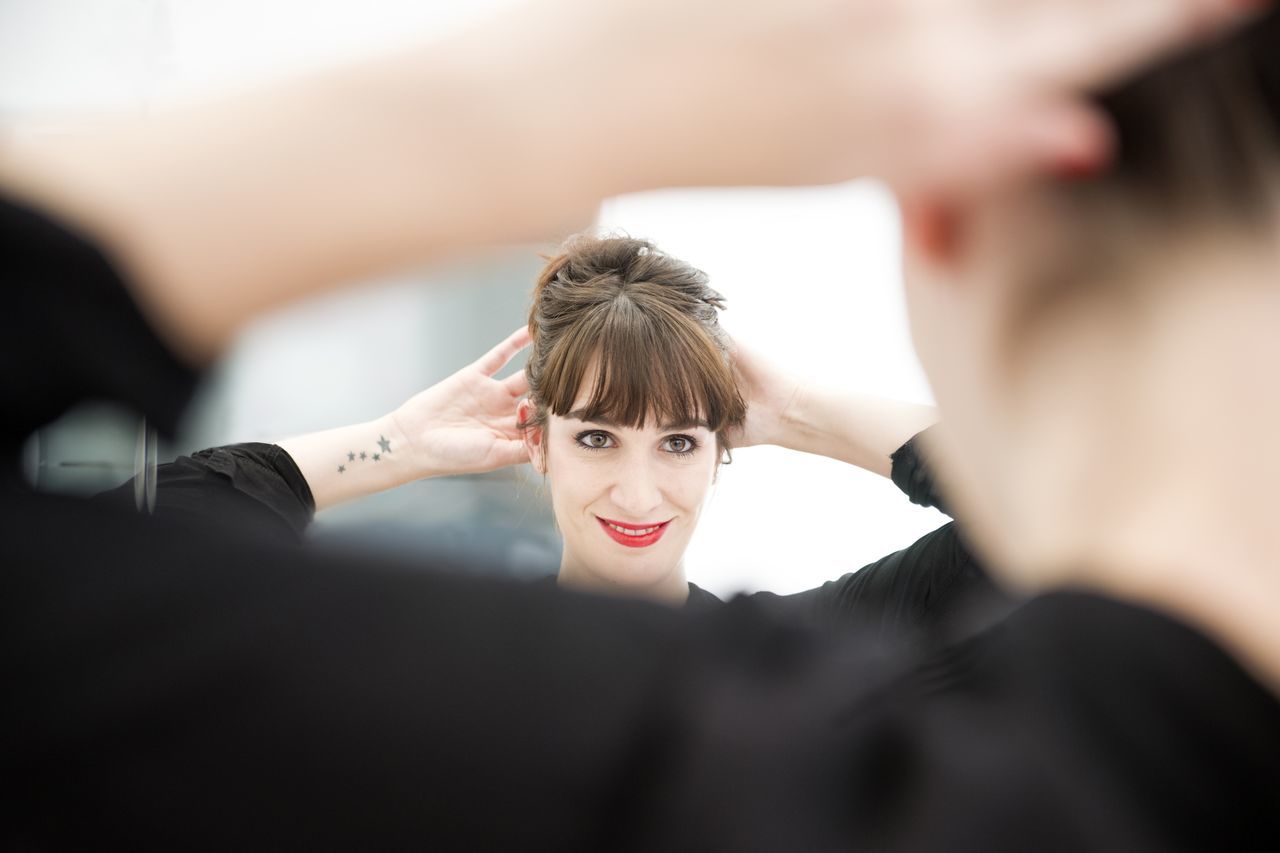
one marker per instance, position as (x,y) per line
(626,500)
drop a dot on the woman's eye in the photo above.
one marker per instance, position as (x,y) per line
(681,445)
(595,440)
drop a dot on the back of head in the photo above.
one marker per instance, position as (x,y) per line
(1198,159)
(632,331)
(1200,136)
(1099,388)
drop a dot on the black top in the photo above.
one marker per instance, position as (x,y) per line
(182,687)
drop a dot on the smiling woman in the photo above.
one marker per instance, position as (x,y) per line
(631,399)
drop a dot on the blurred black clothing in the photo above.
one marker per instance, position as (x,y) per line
(176,686)
(250,485)
(933,587)
(912,474)
(72,333)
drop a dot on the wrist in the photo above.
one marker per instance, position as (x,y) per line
(500,99)
(794,427)
(409,461)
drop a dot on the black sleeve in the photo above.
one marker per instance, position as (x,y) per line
(250,486)
(912,474)
(71,332)
(924,590)
(1076,723)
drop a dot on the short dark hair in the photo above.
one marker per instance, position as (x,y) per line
(1198,154)
(1201,133)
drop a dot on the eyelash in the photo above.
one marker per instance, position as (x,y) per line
(581,437)
(693,445)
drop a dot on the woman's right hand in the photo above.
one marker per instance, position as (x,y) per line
(783,410)
(770,395)
(466,424)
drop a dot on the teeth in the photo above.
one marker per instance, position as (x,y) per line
(627,531)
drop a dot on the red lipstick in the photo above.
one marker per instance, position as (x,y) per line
(633,535)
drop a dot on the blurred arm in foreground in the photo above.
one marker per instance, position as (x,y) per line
(516,129)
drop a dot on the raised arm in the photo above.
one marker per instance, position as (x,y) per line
(860,429)
(517,129)
(465,424)
(916,594)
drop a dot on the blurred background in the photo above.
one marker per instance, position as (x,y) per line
(811,277)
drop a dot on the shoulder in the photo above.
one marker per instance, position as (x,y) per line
(699,599)
(1111,718)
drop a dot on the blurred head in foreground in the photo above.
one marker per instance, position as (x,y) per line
(1104,349)
(631,393)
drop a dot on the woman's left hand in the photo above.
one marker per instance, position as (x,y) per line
(770,395)
(466,423)
(860,429)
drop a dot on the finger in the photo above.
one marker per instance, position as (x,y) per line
(517,384)
(1087,43)
(497,358)
(506,453)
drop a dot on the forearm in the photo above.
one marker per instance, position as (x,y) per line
(353,461)
(221,210)
(860,429)
(518,128)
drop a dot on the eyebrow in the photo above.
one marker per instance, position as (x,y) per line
(583,415)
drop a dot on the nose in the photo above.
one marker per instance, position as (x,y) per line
(637,488)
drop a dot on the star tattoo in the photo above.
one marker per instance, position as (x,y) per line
(377,456)
(351,457)
(363,456)
(342,469)
(384,444)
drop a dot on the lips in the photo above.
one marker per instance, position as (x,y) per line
(631,535)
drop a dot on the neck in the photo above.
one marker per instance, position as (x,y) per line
(672,588)
(1156,463)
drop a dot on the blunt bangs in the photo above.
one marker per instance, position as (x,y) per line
(643,362)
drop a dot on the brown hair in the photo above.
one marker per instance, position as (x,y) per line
(639,329)
(1200,136)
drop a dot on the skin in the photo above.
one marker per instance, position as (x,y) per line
(638,476)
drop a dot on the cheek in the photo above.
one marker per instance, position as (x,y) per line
(574,484)
(690,483)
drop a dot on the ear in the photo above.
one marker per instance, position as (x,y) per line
(932,231)
(533,437)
